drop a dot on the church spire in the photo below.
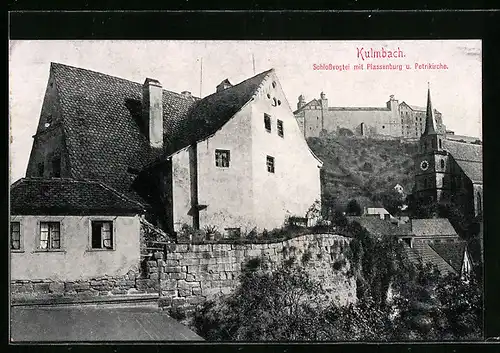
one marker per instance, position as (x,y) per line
(430,121)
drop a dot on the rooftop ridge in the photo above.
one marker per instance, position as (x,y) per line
(180,95)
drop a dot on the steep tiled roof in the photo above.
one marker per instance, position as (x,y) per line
(432,227)
(451,252)
(209,114)
(36,196)
(103,126)
(468,156)
(422,251)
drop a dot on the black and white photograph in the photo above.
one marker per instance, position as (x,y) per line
(245,191)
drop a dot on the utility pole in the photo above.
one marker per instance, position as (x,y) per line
(253,63)
(201,75)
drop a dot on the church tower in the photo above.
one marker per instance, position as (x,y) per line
(431,162)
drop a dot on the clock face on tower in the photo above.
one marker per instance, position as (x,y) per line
(424,165)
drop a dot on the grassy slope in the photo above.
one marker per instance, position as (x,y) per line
(359,168)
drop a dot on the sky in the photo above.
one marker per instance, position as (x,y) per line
(183,65)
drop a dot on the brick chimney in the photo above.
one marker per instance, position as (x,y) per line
(152,109)
(186,93)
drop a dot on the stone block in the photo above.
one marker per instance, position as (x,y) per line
(190,277)
(118,291)
(153,276)
(226,290)
(41,287)
(176,275)
(172,269)
(164,302)
(179,301)
(56,287)
(222,260)
(184,292)
(195,300)
(174,256)
(197,291)
(171,262)
(194,269)
(190,262)
(217,248)
(202,247)
(171,293)
(169,284)
(181,284)
(211,261)
(182,248)
(210,292)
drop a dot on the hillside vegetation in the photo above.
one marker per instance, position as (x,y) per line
(361,168)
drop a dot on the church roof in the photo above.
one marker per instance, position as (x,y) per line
(468,156)
(59,196)
(432,227)
(430,120)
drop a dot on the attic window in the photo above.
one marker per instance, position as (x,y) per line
(279,102)
(48,121)
(274,84)
(267,122)
(268,96)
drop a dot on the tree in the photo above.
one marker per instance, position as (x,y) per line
(353,208)
(392,200)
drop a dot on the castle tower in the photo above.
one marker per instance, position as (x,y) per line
(432,182)
(301,102)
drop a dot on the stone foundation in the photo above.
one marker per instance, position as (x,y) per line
(189,274)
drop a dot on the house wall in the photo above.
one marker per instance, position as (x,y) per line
(226,192)
(295,185)
(48,141)
(75,261)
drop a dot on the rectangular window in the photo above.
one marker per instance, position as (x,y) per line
(267,122)
(270,164)
(102,235)
(15,236)
(50,235)
(222,158)
(56,167)
(280,128)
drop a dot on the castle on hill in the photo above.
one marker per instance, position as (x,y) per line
(395,120)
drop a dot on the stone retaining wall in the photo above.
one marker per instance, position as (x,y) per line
(190,274)
(105,285)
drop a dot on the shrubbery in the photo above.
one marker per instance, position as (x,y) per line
(396,301)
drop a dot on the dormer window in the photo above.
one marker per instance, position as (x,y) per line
(48,121)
